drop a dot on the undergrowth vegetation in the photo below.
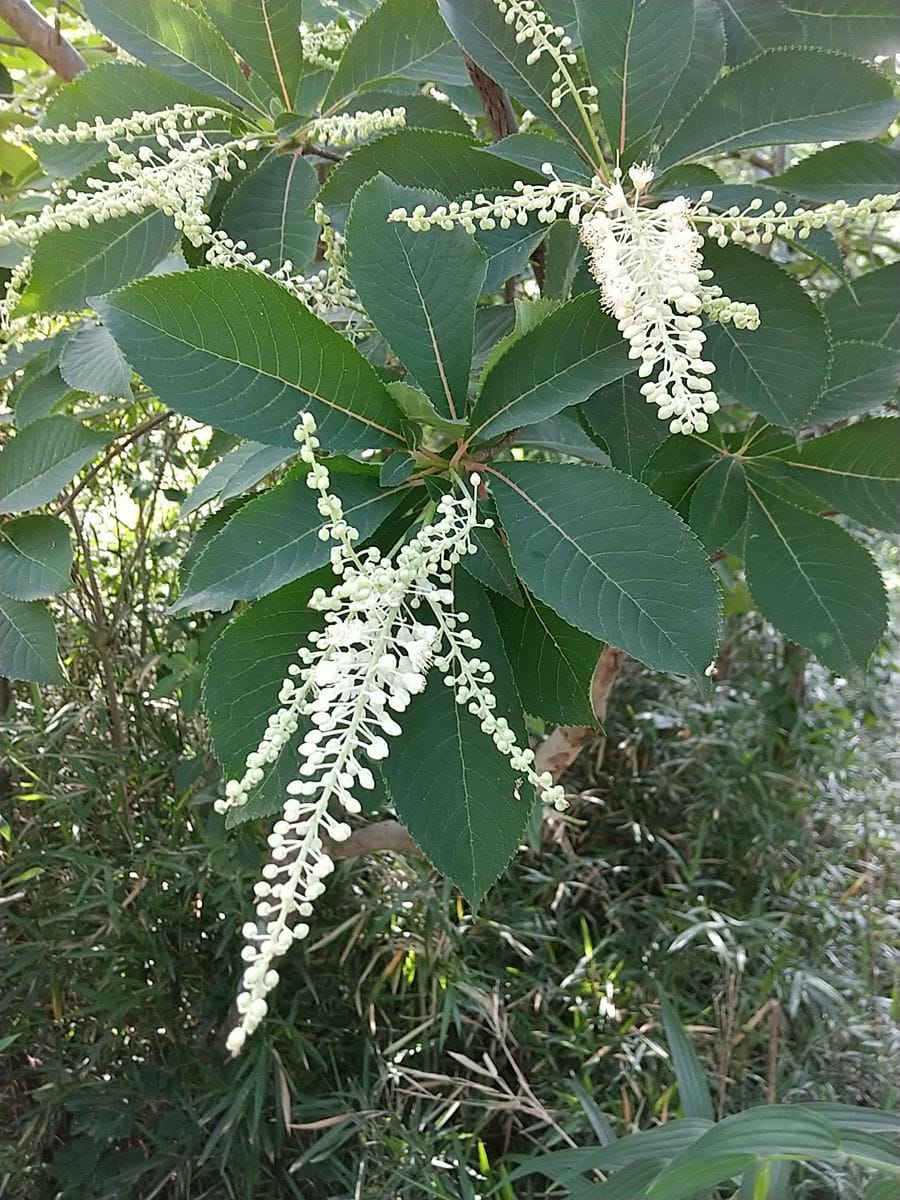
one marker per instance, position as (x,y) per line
(730,849)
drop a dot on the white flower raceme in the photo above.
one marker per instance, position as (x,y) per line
(352,683)
(533,25)
(650,271)
(648,264)
(323,44)
(174,171)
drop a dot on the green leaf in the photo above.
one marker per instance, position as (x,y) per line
(243,676)
(177,40)
(852,171)
(28,642)
(862,27)
(752,26)
(458,796)
(420,290)
(863,377)
(813,581)
(266,36)
(37,394)
(92,362)
(693,1089)
(867,311)
(240,470)
(188,335)
(70,266)
(660,1144)
(552,662)
(268,210)
(403,39)
(719,504)
(628,425)
(735,1144)
(35,557)
(779,369)
(563,435)
(647,57)
(852,1118)
(484,34)
(855,469)
(628,1184)
(674,470)
(274,539)
(532,150)
(111,89)
(492,565)
(785,95)
(449,163)
(563,361)
(415,405)
(43,458)
(612,559)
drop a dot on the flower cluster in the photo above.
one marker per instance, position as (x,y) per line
(533,25)
(173,169)
(179,117)
(387,621)
(648,265)
(174,174)
(755,227)
(347,128)
(323,44)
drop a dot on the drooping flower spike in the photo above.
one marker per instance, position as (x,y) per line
(387,621)
(648,264)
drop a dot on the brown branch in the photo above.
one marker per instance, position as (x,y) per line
(121,442)
(43,38)
(496,103)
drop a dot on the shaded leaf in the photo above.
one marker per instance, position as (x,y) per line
(42,458)
(420,289)
(561,362)
(188,336)
(813,581)
(70,266)
(244,673)
(110,89)
(855,469)
(649,59)
(779,369)
(470,824)
(92,362)
(718,505)
(785,95)
(486,37)
(867,311)
(628,425)
(27,642)
(240,470)
(399,39)
(35,557)
(266,36)
(863,376)
(177,40)
(851,171)
(268,210)
(612,559)
(274,539)
(552,662)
